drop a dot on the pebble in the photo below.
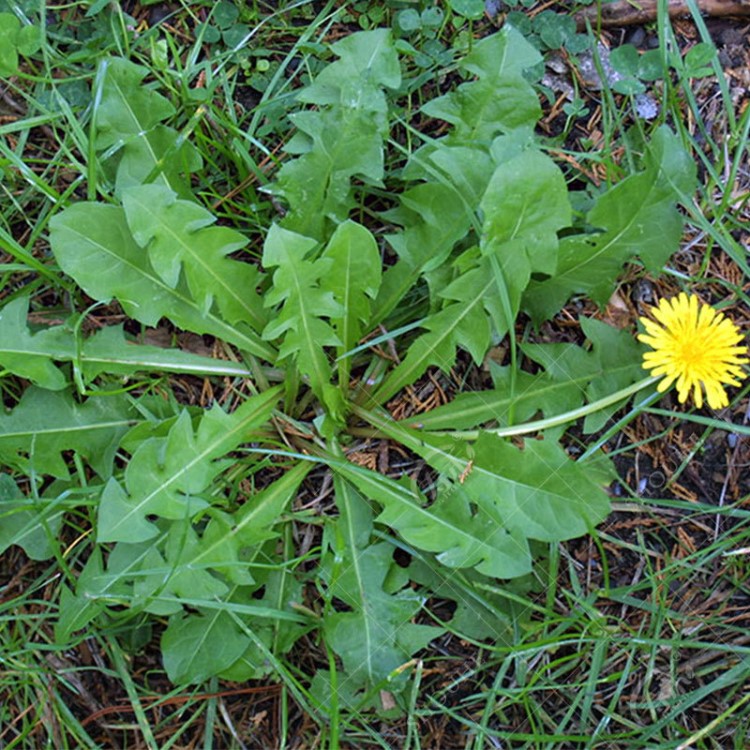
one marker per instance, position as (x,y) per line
(636,38)
(492,7)
(643,291)
(588,71)
(646,107)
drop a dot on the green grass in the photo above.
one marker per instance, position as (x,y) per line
(632,637)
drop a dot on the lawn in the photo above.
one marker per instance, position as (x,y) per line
(374,376)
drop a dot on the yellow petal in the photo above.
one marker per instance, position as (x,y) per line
(695,348)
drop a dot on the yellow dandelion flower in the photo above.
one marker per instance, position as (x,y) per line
(695,346)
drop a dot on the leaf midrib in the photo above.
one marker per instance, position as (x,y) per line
(141,131)
(66,430)
(428,452)
(223,437)
(259,348)
(405,377)
(351,536)
(468,541)
(189,250)
(321,377)
(615,238)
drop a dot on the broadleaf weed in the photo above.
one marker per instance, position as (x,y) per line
(193,507)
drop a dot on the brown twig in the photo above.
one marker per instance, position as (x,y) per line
(625,12)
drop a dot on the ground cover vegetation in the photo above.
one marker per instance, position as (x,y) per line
(326,421)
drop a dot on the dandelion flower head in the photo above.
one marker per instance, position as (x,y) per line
(694,347)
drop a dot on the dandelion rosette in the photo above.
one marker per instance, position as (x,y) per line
(695,346)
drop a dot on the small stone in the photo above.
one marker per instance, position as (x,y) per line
(492,7)
(637,37)
(588,71)
(646,107)
(643,292)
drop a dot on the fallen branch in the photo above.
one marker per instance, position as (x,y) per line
(626,12)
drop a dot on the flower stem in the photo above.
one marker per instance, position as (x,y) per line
(544,424)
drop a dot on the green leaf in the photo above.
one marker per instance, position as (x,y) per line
(177,235)
(170,574)
(45,424)
(77,610)
(434,221)
(613,363)
(344,137)
(227,538)
(448,527)
(699,60)
(356,573)
(14,40)
(526,202)
(478,614)
(651,65)
(26,354)
(524,206)
(110,351)
(629,86)
(198,646)
(408,20)
(375,637)
(441,164)
(506,53)
(263,628)
(534,492)
(128,121)
(531,394)
(29,40)
(501,100)
(637,217)
(554,29)
(261,511)
(352,529)
(472,9)
(281,589)
(317,185)
(297,286)
(9,28)
(167,476)
(135,574)
(462,322)
(456,168)
(225,14)
(326,692)
(366,57)
(92,243)
(538,490)
(625,60)
(31,524)
(353,281)
(74,613)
